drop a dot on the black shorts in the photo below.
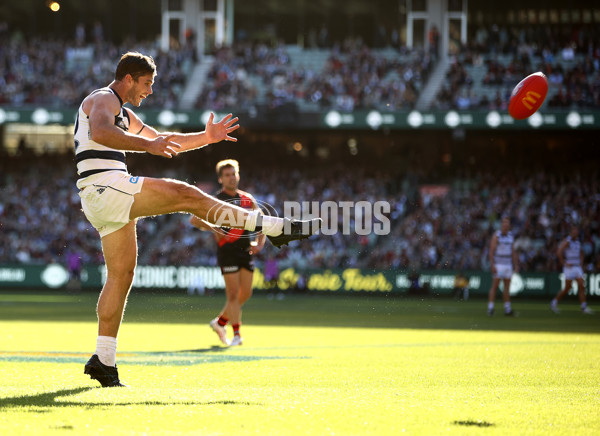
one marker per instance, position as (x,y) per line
(231,261)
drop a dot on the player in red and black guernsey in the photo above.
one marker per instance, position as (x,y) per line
(235,253)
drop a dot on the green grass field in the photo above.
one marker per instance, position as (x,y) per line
(320,365)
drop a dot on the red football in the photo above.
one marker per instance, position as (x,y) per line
(528,96)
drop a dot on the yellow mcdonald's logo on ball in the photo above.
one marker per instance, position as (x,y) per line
(530,99)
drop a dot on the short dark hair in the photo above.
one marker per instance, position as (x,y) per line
(135,64)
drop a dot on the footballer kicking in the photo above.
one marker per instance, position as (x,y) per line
(112,199)
(234,253)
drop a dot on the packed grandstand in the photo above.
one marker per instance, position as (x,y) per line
(446,232)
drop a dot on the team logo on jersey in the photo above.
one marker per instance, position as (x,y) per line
(134,179)
(100,190)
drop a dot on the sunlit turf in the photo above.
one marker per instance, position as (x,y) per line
(309,365)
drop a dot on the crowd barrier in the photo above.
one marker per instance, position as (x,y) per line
(350,280)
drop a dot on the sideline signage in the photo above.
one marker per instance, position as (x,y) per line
(333,119)
(171,277)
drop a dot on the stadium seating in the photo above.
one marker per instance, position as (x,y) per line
(450,232)
(345,78)
(77,70)
(484,73)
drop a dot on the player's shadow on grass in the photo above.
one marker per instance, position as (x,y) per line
(472,423)
(214,348)
(49,400)
(46,399)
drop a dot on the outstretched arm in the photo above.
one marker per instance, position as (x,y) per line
(213,132)
(101,110)
(201,224)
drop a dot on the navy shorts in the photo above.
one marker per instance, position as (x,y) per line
(231,261)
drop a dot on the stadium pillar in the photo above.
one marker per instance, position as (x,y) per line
(205,21)
(229,35)
(449,18)
(171,11)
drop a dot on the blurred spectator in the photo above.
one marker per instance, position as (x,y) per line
(271,272)
(77,68)
(450,231)
(461,287)
(354,77)
(570,59)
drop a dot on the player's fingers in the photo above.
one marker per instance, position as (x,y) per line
(226,118)
(172,151)
(231,121)
(230,138)
(232,128)
(211,117)
(174,144)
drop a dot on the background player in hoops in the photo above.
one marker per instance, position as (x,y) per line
(570,255)
(113,200)
(234,253)
(504,262)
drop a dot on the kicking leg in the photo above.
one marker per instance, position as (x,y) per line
(163,196)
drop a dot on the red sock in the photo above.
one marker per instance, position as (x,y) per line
(222,321)
(236,329)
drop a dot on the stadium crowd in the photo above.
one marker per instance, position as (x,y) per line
(353,77)
(60,73)
(449,231)
(569,57)
(250,74)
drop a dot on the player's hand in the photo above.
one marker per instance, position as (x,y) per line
(255,249)
(163,146)
(216,132)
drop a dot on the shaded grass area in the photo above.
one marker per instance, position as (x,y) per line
(308,310)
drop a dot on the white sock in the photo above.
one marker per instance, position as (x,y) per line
(106,349)
(250,223)
(490,305)
(554,302)
(272,226)
(507,307)
(583,305)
